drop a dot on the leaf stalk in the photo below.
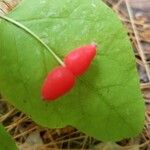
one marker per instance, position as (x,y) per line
(21,26)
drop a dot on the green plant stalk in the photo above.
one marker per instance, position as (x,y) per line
(33,35)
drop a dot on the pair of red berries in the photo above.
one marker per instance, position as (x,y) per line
(62,79)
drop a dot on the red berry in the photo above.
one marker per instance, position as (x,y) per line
(78,60)
(58,82)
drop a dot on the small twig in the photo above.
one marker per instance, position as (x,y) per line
(10,127)
(25,133)
(64,141)
(52,140)
(84,142)
(138,61)
(140,49)
(144,144)
(4,117)
(118,4)
(145,86)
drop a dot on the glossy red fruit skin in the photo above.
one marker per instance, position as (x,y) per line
(58,82)
(78,60)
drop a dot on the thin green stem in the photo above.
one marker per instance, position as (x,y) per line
(32,34)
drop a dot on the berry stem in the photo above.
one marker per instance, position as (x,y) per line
(21,26)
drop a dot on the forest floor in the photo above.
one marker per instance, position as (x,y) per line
(135,14)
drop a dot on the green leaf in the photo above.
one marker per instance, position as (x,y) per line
(6,143)
(106,102)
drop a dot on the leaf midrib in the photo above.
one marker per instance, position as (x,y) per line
(57,17)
